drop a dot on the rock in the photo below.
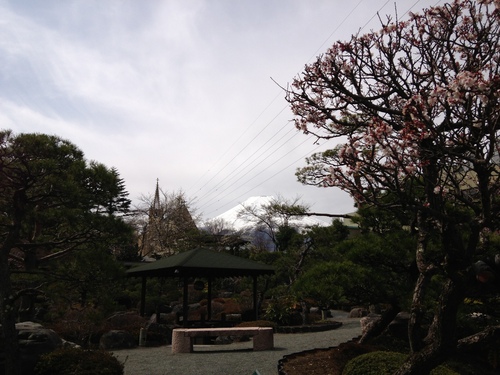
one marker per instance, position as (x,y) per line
(125,319)
(233,317)
(399,326)
(158,334)
(375,309)
(164,319)
(117,339)
(358,312)
(223,340)
(35,340)
(368,321)
(69,344)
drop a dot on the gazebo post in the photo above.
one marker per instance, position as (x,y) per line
(209,304)
(255,307)
(185,303)
(143,296)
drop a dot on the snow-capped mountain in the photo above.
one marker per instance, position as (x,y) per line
(231,218)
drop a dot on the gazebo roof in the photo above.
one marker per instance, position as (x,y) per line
(201,263)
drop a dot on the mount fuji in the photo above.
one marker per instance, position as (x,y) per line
(230,217)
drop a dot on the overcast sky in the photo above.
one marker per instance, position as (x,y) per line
(182,91)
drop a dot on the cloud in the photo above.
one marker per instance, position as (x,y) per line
(175,90)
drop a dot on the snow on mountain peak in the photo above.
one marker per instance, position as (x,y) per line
(232,219)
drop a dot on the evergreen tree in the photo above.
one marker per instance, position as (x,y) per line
(52,202)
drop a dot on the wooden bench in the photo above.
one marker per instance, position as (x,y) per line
(182,338)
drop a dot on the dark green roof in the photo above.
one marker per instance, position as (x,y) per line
(201,263)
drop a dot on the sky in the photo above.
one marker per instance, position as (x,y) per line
(186,92)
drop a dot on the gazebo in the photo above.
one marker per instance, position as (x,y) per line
(202,263)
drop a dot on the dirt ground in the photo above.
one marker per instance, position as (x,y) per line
(332,361)
(324,361)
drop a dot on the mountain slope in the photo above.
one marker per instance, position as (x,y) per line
(231,218)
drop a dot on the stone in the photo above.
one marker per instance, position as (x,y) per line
(117,339)
(34,341)
(158,334)
(368,321)
(399,326)
(164,319)
(358,312)
(233,317)
(223,340)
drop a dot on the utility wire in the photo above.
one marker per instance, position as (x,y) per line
(220,185)
(254,159)
(244,148)
(274,150)
(275,174)
(319,48)
(276,161)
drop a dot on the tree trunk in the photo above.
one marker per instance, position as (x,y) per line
(300,263)
(8,318)
(479,341)
(379,327)
(426,270)
(415,332)
(441,339)
(7,299)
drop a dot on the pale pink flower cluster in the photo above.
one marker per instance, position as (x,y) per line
(488,2)
(438,94)
(440,190)
(466,80)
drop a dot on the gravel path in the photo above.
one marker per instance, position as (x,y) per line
(232,359)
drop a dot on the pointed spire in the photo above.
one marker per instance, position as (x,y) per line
(156,202)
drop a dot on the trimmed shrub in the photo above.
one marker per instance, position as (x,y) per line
(383,363)
(280,310)
(72,361)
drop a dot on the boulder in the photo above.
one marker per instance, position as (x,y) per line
(315,310)
(117,339)
(158,334)
(223,340)
(399,326)
(358,312)
(368,321)
(35,340)
(164,318)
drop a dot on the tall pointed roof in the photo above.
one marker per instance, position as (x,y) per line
(156,201)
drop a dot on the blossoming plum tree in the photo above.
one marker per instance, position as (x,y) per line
(415,108)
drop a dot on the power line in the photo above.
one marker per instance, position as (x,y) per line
(243,149)
(321,46)
(256,165)
(238,170)
(276,161)
(221,186)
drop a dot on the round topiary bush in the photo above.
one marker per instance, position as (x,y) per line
(72,361)
(383,363)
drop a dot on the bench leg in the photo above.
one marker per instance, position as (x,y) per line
(264,340)
(181,343)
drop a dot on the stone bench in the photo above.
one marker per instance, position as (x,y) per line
(182,338)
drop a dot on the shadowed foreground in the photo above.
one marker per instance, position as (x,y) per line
(232,359)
